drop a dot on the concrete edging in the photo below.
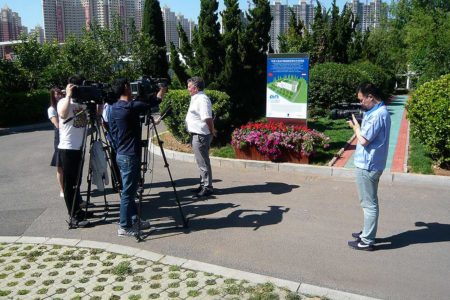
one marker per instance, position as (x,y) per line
(387,177)
(298,287)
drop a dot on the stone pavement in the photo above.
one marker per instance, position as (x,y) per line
(278,220)
(44,268)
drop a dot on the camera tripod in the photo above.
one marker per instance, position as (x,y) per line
(151,124)
(93,129)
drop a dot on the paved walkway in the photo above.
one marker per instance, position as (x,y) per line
(278,220)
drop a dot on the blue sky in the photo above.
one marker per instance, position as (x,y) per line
(31,10)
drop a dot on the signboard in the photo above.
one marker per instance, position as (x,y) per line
(287,86)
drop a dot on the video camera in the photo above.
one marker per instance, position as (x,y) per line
(345,111)
(146,87)
(93,93)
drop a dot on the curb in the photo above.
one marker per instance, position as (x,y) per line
(387,177)
(297,287)
(32,127)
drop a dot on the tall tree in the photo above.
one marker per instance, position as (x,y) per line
(208,53)
(319,39)
(296,39)
(185,48)
(255,45)
(153,27)
(230,78)
(177,66)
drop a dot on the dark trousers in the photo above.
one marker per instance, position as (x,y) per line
(71,163)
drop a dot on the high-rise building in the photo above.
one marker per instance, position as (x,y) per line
(64,17)
(171,22)
(281,16)
(369,15)
(10,25)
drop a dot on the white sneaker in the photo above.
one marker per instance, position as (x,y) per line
(61,194)
(127,231)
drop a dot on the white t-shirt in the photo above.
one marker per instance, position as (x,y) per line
(71,134)
(51,111)
(199,110)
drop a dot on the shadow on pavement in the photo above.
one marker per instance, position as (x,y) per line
(431,233)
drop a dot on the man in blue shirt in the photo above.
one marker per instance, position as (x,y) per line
(370,160)
(126,132)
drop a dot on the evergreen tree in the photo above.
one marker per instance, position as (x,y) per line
(255,45)
(319,39)
(230,78)
(177,66)
(153,27)
(185,48)
(296,39)
(208,53)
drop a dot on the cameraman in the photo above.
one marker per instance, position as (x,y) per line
(126,131)
(71,138)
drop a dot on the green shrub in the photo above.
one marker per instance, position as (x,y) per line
(333,83)
(376,75)
(23,108)
(179,101)
(429,114)
(330,84)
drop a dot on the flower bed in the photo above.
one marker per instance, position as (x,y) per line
(276,141)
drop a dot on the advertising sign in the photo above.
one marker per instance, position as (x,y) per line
(287,86)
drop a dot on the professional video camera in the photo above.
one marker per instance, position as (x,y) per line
(146,87)
(93,93)
(345,111)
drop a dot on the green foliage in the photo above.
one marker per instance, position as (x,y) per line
(253,50)
(376,75)
(208,53)
(330,84)
(22,108)
(177,67)
(428,40)
(8,70)
(419,160)
(153,28)
(179,101)
(429,114)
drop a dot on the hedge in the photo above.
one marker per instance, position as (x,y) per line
(429,113)
(23,107)
(333,83)
(179,102)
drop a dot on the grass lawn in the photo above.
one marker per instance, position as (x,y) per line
(419,161)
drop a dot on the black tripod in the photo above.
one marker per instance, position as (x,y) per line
(92,128)
(145,143)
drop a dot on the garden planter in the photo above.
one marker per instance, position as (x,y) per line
(251,153)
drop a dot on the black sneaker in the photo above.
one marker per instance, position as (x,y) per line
(197,190)
(84,203)
(75,223)
(360,245)
(205,192)
(356,234)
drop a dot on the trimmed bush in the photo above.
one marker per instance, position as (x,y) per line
(23,108)
(333,83)
(376,75)
(429,114)
(179,101)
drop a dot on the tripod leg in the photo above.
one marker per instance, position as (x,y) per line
(166,165)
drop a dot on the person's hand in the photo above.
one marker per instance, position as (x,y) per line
(353,123)
(162,91)
(69,90)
